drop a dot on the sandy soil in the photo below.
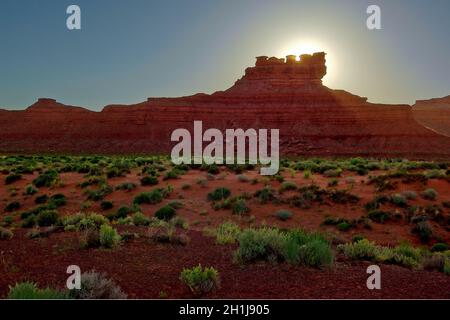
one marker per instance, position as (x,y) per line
(148,269)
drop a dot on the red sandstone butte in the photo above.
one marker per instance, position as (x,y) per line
(434,114)
(276,93)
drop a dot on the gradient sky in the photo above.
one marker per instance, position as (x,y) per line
(129,50)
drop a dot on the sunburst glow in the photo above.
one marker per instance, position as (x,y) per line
(298,47)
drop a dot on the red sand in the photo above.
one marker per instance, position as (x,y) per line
(146,268)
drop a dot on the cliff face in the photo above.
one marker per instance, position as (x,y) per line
(434,114)
(274,94)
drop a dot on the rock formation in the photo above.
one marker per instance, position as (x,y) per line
(434,114)
(276,93)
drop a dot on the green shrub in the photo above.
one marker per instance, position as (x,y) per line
(175,204)
(84,221)
(29,290)
(139,219)
(283,215)
(41,199)
(332,173)
(200,280)
(357,238)
(226,233)
(260,244)
(121,213)
(7,220)
(185,186)
(240,207)
(440,247)
(165,213)
(13,177)
(430,194)
(109,238)
(310,249)
(47,218)
(342,197)
(424,230)
(100,193)
(399,200)
(153,197)
(403,255)
(5,234)
(409,195)
(288,185)
(437,261)
(149,181)
(126,186)
(29,221)
(344,226)
(46,179)
(106,205)
(219,194)
(30,190)
(379,216)
(12,206)
(243,178)
(95,286)
(58,200)
(172,174)
(264,195)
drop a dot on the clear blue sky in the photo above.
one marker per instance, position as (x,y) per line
(129,50)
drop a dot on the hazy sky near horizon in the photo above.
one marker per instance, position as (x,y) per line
(130,50)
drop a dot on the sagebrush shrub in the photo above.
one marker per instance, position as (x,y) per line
(46,179)
(265,195)
(295,246)
(106,205)
(403,255)
(109,237)
(96,285)
(149,181)
(29,290)
(283,215)
(13,177)
(47,218)
(139,219)
(288,185)
(41,199)
(227,232)
(240,207)
(379,216)
(165,213)
(12,206)
(5,234)
(30,190)
(440,247)
(200,280)
(260,244)
(219,194)
(126,186)
(430,194)
(424,230)
(58,200)
(90,238)
(153,197)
